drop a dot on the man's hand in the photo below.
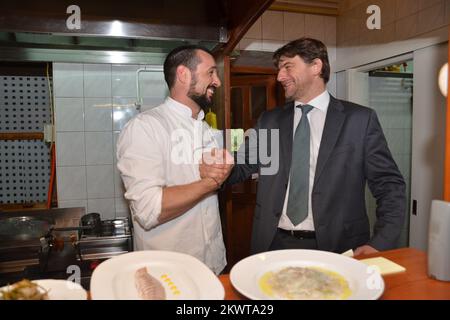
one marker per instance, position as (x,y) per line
(216,165)
(363,250)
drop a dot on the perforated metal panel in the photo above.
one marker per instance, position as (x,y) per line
(24,104)
(24,165)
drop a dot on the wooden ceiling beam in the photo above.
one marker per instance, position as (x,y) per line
(324,8)
(243,14)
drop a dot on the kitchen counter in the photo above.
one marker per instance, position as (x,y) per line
(413,284)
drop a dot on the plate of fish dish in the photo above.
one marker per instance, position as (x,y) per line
(155,275)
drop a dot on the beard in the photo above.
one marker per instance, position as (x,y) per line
(200,98)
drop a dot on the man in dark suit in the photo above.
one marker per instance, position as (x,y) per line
(328,150)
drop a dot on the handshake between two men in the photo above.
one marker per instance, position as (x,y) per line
(216,165)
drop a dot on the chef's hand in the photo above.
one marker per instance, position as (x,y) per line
(363,250)
(216,165)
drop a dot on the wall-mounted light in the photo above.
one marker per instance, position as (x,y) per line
(116,29)
(443,79)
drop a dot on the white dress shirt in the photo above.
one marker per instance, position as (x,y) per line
(316,118)
(157,149)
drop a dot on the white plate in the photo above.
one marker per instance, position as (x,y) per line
(60,289)
(182,276)
(364,282)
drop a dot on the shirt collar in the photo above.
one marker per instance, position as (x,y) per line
(183,110)
(320,102)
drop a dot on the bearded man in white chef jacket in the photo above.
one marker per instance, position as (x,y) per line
(158,153)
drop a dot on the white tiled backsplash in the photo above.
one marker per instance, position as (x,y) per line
(391,98)
(93,102)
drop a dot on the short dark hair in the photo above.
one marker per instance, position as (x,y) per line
(184,55)
(308,49)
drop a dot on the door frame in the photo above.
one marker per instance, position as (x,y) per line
(244,76)
(353,85)
(348,88)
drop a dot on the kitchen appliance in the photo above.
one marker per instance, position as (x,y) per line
(92,222)
(58,244)
(439,241)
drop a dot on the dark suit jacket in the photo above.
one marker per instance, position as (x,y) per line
(353,151)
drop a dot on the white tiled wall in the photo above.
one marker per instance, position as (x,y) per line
(72,86)
(97,114)
(93,102)
(71,149)
(71,114)
(124,80)
(99,148)
(391,98)
(123,110)
(71,182)
(97,80)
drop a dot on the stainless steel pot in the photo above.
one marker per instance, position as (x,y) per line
(24,228)
(91,224)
